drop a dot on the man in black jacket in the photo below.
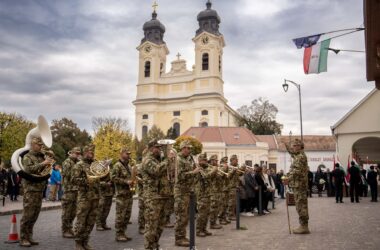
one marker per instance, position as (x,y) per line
(355,180)
(338,177)
(372,181)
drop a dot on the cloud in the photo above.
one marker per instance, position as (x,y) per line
(78,58)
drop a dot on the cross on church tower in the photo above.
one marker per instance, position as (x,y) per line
(178,56)
(155,5)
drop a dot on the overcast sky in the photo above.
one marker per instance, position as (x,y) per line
(78,58)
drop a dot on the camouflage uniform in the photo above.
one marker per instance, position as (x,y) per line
(182,188)
(140,193)
(169,208)
(33,193)
(107,191)
(216,196)
(225,195)
(156,194)
(298,181)
(233,184)
(203,182)
(121,174)
(69,198)
(87,202)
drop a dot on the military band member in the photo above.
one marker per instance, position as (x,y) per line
(156,194)
(34,163)
(298,181)
(121,176)
(203,191)
(234,183)
(140,193)
(88,198)
(182,188)
(107,191)
(225,193)
(216,194)
(171,176)
(70,194)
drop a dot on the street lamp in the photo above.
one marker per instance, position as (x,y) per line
(286,87)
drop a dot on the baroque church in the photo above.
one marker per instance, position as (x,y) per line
(182,98)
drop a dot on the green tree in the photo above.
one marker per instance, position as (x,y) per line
(66,135)
(171,134)
(111,135)
(260,117)
(13,131)
(197,146)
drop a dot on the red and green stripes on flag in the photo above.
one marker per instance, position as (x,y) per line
(315,58)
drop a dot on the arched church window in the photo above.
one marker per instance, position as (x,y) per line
(177,129)
(145,117)
(147,69)
(161,68)
(204,112)
(220,63)
(204,124)
(205,61)
(144,131)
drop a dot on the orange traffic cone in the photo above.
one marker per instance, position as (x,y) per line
(13,234)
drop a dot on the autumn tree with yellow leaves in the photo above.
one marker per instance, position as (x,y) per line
(110,135)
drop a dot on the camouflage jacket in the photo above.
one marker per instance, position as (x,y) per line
(298,171)
(67,174)
(217,183)
(233,177)
(107,188)
(121,173)
(86,190)
(32,165)
(204,180)
(140,187)
(225,180)
(155,179)
(185,177)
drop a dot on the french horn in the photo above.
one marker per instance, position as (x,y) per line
(42,130)
(98,170)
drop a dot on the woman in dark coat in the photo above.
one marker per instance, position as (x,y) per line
(251,188)
(320,180)
(260,182)
(13,184)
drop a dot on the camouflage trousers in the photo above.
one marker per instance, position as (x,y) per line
(300,198)
(32,202)
(86,217)
(141,218)
(105,203)
(169,208)
(214,207)
(154,222)
(69,208)
(223,206)
(231,203)
(123,213)
(181,210)
(203,206)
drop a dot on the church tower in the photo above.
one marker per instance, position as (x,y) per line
(179,98)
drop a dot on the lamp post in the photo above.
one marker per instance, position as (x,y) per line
(286,87)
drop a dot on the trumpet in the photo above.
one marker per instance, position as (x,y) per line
(222,173)
(238,170)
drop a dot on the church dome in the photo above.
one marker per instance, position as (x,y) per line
(153,30)
(208,20)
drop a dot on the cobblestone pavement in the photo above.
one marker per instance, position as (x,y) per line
(333,226)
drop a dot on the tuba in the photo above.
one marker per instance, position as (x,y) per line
(98,170)
(42,130)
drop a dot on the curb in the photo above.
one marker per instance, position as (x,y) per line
(58,206)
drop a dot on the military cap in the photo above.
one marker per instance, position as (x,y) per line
(125,150)
(184,144)
(154,143)
(202,157)
(37,140)
(233,157)
(88,148)
(224,159)
(75,150)
(214,157)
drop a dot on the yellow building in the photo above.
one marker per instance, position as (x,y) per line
(182,98)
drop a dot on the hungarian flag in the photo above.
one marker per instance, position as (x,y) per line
(315,58)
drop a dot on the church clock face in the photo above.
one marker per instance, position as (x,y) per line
(148,49)
(205,40)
